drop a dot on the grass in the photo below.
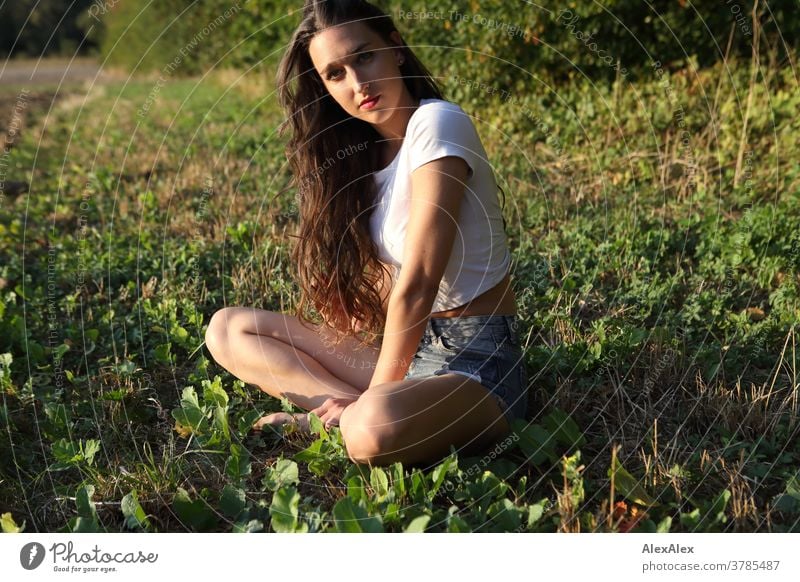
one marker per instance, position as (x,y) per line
(656,259)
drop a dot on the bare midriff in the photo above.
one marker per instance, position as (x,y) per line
(499,300)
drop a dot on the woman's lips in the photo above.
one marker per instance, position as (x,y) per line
(371,103)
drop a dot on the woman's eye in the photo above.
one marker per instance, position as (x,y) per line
(365,56)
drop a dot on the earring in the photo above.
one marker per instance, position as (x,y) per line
(400,61)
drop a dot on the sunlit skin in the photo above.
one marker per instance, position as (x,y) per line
(354,64)
(383,418)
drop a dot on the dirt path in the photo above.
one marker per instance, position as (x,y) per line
(28,88)
(33,73)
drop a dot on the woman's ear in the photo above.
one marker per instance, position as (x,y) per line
(398,41)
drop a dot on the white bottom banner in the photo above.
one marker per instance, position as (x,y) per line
(391,557)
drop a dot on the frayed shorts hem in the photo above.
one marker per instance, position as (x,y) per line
(484,348)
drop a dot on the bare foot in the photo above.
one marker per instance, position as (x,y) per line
(299,421)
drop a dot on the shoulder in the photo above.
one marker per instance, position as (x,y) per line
(438,112)
(438,129)
(432,106)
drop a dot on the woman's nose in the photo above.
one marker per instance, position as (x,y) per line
(360,82)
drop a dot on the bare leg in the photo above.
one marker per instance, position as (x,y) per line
(285,359)
(417,420)
(411,421)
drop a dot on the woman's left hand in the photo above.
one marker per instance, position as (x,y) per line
(330,411)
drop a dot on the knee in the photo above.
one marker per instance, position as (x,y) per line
(369,434)
(218,333)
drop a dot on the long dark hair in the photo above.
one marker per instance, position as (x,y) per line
(337,265)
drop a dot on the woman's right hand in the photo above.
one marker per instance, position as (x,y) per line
(331,410)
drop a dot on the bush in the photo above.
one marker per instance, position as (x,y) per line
(491,39)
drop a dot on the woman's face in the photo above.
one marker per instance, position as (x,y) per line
(356,64)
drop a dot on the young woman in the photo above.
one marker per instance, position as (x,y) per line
(401,238)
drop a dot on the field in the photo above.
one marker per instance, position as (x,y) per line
(655,228)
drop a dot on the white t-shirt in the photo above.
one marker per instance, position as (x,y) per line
(480,257)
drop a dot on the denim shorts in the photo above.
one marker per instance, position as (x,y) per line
(483,347)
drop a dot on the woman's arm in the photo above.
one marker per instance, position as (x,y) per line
(437,189)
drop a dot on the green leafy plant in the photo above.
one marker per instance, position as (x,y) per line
(207,422)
